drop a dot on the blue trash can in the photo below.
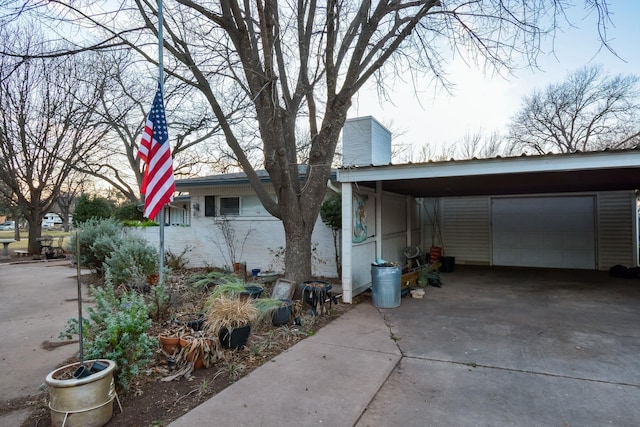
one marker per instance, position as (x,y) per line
(385,285)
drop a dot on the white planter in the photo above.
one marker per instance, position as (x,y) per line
(82,402)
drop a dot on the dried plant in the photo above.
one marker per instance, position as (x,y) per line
(229,313)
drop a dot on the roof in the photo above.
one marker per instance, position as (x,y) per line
(551,173)
(236,178)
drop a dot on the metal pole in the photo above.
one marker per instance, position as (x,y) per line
(79,300)
(161,78)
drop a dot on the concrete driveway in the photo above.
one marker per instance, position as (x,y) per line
(515,347)
(37,299)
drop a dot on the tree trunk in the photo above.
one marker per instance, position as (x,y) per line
(35,231)
(297,255)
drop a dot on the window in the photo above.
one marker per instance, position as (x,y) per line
(229,206)
(209,206)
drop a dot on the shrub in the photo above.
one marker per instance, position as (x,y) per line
(128,212)
(159,302)
(131,263)
(95,208)
(98,239)
(136,223)
(177,261)
(116,329)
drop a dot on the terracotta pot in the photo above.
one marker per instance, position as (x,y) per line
(193,356)
(170,344)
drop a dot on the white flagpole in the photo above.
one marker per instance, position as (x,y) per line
(161,77)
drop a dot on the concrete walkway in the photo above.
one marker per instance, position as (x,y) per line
(37,299)
(327,379)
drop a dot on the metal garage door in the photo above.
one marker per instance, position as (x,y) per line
(544,232)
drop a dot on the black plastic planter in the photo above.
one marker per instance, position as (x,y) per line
(252,292)
(236,339)
(283,314)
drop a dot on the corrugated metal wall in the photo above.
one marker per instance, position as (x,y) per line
(466,229)
(616,230)
(465,226)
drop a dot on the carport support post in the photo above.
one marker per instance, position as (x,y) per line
(378,237)
(408,222)
(347,242)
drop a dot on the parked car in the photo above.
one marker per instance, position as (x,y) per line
(8,225)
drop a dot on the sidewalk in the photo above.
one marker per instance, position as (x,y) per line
(37,299)
(328,378)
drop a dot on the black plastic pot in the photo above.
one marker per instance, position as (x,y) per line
(195,322)
(252,292)
(283,314)
(236,339)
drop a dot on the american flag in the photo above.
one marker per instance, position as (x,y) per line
(158,184)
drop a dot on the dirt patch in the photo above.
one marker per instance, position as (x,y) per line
(52,345)
(153,402)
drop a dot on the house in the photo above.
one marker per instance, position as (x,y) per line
(551,211)
(219,220)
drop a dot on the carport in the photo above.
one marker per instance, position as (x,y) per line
(557,210)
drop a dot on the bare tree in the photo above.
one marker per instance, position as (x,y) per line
(481,145)
(45,126)
(129,89)
(304,62)
(589,111)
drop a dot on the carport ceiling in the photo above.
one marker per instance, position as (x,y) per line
(523,183)
(602,171)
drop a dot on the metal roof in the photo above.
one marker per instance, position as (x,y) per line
(608,170)
(236,178)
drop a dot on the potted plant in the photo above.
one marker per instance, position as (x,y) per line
(277,310)
(316,293)
(282,315)
(209,280)
(82,394)
(230,319)
(199,350)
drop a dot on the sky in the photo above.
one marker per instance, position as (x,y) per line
(486,103)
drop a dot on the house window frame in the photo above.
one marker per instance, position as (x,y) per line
(237,210)
(210,209)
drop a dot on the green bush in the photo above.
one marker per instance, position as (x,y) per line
(143,223)
(128,212)
(99,238)
(116,329)
(91,208)
(131,263)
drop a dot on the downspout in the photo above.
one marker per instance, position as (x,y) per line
(332,187)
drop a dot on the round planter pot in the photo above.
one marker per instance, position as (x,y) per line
(82,402)
(283,314)
(252,292)
(236,339)
(170,344)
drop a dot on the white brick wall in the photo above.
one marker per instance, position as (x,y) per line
(265,239)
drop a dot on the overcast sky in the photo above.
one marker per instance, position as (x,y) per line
(487,103)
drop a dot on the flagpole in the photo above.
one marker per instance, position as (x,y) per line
(161,83)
